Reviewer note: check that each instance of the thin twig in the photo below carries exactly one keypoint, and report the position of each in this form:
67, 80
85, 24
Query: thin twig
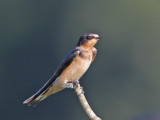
80, 93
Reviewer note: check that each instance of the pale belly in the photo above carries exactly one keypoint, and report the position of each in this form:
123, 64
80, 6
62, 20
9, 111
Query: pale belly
74, 71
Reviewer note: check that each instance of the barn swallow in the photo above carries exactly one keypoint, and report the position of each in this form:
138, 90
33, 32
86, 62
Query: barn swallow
71, 69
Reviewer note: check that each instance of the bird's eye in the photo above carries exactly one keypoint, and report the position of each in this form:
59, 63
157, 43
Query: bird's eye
88, 37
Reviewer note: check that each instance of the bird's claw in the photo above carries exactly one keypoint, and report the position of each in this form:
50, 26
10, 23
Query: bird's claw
68, 85
75, 83
71, 84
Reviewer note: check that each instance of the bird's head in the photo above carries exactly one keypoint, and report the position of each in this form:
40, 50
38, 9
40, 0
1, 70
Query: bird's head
88, 40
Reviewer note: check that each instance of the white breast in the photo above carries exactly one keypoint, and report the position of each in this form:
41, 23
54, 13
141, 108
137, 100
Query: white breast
75, 71
80, 68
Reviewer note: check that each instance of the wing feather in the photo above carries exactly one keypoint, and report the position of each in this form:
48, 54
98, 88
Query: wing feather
64, 64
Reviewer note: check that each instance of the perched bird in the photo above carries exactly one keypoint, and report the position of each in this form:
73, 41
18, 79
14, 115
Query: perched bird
71, 69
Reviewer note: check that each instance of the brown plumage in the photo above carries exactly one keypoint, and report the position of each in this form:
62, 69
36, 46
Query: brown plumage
74, 65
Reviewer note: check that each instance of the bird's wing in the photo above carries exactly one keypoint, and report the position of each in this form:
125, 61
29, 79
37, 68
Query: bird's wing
64, 64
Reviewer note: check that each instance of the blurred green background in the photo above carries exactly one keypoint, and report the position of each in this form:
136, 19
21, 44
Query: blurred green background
122, 83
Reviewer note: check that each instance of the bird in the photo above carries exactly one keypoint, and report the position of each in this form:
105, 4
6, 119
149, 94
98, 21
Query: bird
70, 70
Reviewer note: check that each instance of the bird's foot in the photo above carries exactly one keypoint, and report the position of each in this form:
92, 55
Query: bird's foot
71, 84
75, 83
68, 85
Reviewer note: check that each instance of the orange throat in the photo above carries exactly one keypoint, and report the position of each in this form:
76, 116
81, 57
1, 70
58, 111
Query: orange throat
89, 44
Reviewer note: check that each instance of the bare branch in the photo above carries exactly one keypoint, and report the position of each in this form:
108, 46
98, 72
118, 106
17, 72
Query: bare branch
80, 93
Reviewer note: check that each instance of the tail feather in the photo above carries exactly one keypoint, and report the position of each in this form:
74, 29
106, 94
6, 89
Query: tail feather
34, 100
28, 100
41, 95
40, 100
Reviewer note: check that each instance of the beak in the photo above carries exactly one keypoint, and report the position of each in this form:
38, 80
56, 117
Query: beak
99, 37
